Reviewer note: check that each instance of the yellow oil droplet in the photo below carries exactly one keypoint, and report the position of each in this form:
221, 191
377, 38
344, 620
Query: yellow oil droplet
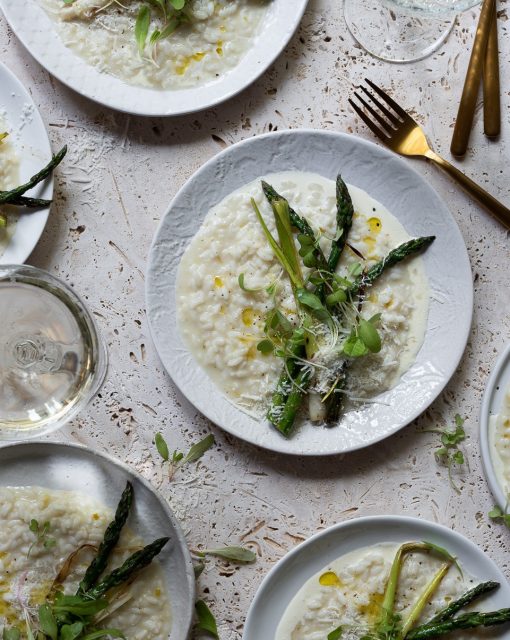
38, 593
157, 592
223, 28
218, 282
372, 610
247, 316
222, 310
330, 579
375, 225
182, 66
95, 516
251, 354
219, 47
45, 501
198, 56
370, 242
389, 303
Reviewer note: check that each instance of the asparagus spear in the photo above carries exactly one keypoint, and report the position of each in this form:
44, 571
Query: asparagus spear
465, 621
394, 257
287, 413
32, 203
344, 213
134, 563
471, 595
7, 196
297, 221
296, 349
110, 539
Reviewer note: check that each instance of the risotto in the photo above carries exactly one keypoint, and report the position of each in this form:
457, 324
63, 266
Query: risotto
349, 593
499, 439
9, 178
211, 41
222, 324
28, 567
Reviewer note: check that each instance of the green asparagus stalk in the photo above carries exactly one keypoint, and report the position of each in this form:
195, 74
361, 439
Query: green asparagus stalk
288, 411
465, 621
344, 214
31, 203
110, 539
394, 257
134, 563
7, 196
469, 597
296, 349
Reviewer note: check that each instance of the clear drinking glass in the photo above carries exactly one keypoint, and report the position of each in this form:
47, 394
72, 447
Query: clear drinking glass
402, 30
52, 358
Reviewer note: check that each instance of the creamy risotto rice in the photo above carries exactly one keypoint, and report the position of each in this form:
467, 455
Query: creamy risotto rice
349, 593
222, 324
75, 519
9, 178
215, 39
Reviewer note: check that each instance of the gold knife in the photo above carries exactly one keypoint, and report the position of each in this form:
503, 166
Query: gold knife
467, 105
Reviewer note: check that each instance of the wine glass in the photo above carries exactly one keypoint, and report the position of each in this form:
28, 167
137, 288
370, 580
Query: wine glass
402, 30
52, 358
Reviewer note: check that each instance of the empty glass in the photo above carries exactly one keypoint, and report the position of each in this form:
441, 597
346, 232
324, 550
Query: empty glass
402, 30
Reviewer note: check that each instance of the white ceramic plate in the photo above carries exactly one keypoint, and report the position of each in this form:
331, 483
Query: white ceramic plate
37, 32
387, 179
497, 385
286, 578
28, 135
75, 468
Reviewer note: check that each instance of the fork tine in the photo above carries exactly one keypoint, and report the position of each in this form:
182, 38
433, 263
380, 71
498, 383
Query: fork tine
396, 107
375, 129
384, 123
391, 116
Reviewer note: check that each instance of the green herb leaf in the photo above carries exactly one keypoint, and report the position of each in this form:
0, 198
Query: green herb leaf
178, 4
34, 526
198, 569
78, 605
336, 634
198, 449
206, 621
495, 512
335, 298
235, 554
354, 347
47, 621
11, 634
177, 456
355, 269
441, 551
310, 300
162, 446
71, 631
142, 23
370, 336
265, 347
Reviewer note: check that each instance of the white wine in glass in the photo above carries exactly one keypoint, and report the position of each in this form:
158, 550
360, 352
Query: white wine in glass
52, 359
402, 30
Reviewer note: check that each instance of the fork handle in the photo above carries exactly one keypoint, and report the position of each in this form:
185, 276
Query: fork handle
493, 206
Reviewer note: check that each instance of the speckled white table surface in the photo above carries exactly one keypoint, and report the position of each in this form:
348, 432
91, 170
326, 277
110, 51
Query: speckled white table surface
120, 174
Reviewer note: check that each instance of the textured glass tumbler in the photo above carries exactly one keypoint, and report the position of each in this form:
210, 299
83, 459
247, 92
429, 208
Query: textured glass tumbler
402, 30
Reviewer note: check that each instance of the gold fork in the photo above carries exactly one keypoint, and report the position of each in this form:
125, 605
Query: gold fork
403, 134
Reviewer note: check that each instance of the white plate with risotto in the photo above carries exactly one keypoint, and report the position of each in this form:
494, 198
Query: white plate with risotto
495, 429
224, 311
23, 152
52, 521
338, 579
154, 59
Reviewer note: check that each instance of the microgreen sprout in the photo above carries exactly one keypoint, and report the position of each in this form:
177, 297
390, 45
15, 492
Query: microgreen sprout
177, 458
498, 515
449, 453
41, 532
